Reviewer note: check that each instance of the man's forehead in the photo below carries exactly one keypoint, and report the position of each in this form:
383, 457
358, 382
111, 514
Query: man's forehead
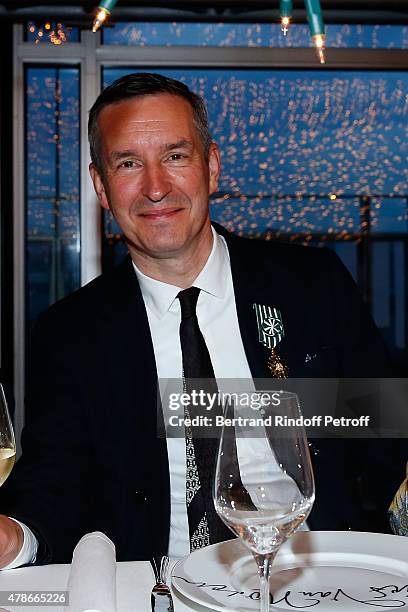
146, 125
149, 109
157, 121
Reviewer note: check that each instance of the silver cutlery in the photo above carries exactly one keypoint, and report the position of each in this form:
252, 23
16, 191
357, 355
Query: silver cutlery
161, 599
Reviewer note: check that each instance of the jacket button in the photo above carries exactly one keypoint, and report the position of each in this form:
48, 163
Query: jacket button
140, 497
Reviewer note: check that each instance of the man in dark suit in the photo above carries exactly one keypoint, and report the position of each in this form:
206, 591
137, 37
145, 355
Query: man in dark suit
91, 455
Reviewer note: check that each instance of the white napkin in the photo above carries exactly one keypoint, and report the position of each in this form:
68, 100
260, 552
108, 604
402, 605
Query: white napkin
92, 578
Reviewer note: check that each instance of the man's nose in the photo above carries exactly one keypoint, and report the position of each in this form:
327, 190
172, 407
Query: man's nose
156, 183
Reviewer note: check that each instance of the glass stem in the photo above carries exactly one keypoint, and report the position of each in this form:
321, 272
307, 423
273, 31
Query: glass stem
264, 563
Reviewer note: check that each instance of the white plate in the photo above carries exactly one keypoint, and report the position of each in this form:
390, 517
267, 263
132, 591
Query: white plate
319, 570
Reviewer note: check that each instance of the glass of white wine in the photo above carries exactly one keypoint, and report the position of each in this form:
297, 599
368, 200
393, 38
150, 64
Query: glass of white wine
7, 440
264, 486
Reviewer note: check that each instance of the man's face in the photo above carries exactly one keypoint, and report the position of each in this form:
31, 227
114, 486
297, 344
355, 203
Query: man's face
155, 177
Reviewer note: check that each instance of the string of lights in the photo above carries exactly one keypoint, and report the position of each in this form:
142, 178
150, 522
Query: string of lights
103, 11
285, 7
55, 33
315, 19
313, 11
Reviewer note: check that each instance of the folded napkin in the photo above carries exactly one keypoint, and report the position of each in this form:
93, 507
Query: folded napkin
398, 511
92, 578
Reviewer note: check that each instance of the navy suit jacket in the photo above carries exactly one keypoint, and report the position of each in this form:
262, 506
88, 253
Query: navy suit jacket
92, 459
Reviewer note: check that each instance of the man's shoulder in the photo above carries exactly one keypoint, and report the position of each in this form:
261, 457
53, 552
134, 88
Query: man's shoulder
256, 250
82, 306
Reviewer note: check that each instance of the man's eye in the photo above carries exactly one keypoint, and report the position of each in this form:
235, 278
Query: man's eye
177, 157
127, 164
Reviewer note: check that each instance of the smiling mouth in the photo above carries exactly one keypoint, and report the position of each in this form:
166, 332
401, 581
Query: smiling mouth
164, 213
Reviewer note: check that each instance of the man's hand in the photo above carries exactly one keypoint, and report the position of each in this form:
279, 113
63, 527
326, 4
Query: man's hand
11, 540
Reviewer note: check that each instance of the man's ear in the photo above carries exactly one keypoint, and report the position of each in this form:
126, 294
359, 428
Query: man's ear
99, 187
214, 166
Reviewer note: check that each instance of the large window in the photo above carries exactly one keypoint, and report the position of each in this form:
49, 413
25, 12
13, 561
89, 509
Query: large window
254, 35
52, 185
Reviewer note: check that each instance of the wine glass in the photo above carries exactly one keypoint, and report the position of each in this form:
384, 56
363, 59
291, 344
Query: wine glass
264, 487
7, 441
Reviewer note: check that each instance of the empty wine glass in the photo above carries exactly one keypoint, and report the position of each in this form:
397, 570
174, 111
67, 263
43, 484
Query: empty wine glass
7, 441
264, 487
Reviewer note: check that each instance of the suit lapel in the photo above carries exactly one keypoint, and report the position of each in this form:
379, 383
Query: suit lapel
249, 288
258, 280
128, 337
132, 369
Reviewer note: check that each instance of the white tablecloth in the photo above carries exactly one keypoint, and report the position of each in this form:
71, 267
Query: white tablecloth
134, 581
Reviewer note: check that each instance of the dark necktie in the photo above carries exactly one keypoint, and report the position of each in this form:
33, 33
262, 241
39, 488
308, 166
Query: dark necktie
204, 525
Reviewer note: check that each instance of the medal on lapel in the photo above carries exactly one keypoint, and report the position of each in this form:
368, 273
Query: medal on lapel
271, 332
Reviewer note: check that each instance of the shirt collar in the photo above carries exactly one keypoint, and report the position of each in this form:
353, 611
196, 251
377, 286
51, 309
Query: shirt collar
159, 296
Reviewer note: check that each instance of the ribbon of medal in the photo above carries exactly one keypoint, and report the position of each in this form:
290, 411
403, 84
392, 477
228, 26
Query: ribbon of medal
271, 332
